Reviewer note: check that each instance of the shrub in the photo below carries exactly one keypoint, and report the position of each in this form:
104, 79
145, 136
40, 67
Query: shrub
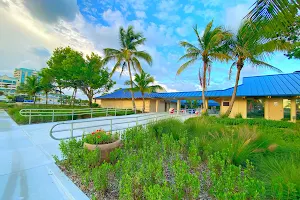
238, 116
95, 105
232, 182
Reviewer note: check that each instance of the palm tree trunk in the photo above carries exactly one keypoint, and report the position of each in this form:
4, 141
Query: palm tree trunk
237, 78
46, 98
34, 99
143, 103
131, 85
204, 88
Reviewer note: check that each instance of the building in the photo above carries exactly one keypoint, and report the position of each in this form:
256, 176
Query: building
268, 91
22, 73
8, 84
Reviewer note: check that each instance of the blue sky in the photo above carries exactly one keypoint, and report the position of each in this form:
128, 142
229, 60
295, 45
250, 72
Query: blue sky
34, 28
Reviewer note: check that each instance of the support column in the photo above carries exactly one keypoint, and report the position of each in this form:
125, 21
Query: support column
156, 105
293, 110
178, 106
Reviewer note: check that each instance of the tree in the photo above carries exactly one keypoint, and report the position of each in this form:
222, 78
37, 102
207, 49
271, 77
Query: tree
31, 87
127, 57
94, 78
278, 19
210, 48
65, 67
46, 82
250, 46
144, 84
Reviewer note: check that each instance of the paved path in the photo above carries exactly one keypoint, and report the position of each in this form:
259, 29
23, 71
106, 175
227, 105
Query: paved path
27, 169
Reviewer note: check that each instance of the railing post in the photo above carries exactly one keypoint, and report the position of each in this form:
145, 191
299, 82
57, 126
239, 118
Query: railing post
71, 130
126, 111
111, 126
115, 111
29, 116
91, 113
106, 112
53, 115
72, 114
137, 121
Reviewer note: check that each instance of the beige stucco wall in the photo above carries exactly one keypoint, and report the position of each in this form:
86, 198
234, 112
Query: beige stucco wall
125, 103
274, 108
239, 106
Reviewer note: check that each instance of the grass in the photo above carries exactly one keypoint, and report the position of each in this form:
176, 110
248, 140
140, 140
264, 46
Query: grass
204, 157
14, 109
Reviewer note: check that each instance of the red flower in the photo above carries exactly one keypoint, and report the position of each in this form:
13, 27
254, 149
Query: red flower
93, 133
98, 136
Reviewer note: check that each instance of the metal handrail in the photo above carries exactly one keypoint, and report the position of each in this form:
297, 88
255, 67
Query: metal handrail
154, 117
70, 112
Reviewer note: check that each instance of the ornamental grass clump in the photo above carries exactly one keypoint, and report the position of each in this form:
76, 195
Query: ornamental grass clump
100, 137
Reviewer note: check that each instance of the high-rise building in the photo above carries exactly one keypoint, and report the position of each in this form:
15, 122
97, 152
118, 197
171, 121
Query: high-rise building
22, 73
8, 84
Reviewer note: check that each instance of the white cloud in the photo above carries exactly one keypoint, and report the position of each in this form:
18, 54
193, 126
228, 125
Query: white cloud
207, 14
167, 17
186, 28
113, 17
140, 14
189, 8
234, 15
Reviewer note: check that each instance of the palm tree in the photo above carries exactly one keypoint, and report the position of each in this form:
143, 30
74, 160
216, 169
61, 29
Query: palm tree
210, 48
31, 87
127, 57
250, 46
270, 9
46, 82
144, 84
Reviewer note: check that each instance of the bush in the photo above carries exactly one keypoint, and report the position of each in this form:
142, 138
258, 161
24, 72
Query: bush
95, 105
220, 157
238, 116
100, 137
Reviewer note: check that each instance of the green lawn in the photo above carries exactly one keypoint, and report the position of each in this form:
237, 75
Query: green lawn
220, 158
14, 109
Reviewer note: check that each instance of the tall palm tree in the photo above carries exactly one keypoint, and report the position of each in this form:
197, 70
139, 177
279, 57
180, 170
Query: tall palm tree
210, 48
144, 84
31, 87
270, 9
46, 82
127, 57
250, 46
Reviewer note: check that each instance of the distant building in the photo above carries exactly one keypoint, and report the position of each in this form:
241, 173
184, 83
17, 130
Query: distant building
8, 84
22, 73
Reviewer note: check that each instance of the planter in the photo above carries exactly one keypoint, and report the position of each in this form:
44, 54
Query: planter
105, 149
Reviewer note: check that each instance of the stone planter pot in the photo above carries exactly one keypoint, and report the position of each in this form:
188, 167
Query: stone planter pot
105, 149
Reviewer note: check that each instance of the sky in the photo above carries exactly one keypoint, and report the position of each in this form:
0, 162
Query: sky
31, 29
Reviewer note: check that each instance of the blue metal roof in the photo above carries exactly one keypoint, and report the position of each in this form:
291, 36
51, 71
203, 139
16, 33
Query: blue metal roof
256, 86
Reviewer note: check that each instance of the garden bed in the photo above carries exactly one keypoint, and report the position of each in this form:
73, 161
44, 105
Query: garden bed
203, 158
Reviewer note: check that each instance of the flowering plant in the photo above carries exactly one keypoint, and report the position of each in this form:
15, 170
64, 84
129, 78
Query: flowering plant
100, 137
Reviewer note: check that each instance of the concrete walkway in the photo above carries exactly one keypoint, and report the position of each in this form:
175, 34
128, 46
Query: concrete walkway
27, 169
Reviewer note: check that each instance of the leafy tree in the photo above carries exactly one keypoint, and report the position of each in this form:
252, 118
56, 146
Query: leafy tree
31, 87
94, 78
65, 67
144, 84
250, 46
1, 93
46, 82
210, 48
127, 57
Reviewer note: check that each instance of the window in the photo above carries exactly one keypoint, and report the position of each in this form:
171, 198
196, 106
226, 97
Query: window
225, 103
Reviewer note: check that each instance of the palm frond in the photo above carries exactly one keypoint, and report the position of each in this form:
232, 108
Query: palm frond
258, 63
185, 65
143, 55
230, 70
